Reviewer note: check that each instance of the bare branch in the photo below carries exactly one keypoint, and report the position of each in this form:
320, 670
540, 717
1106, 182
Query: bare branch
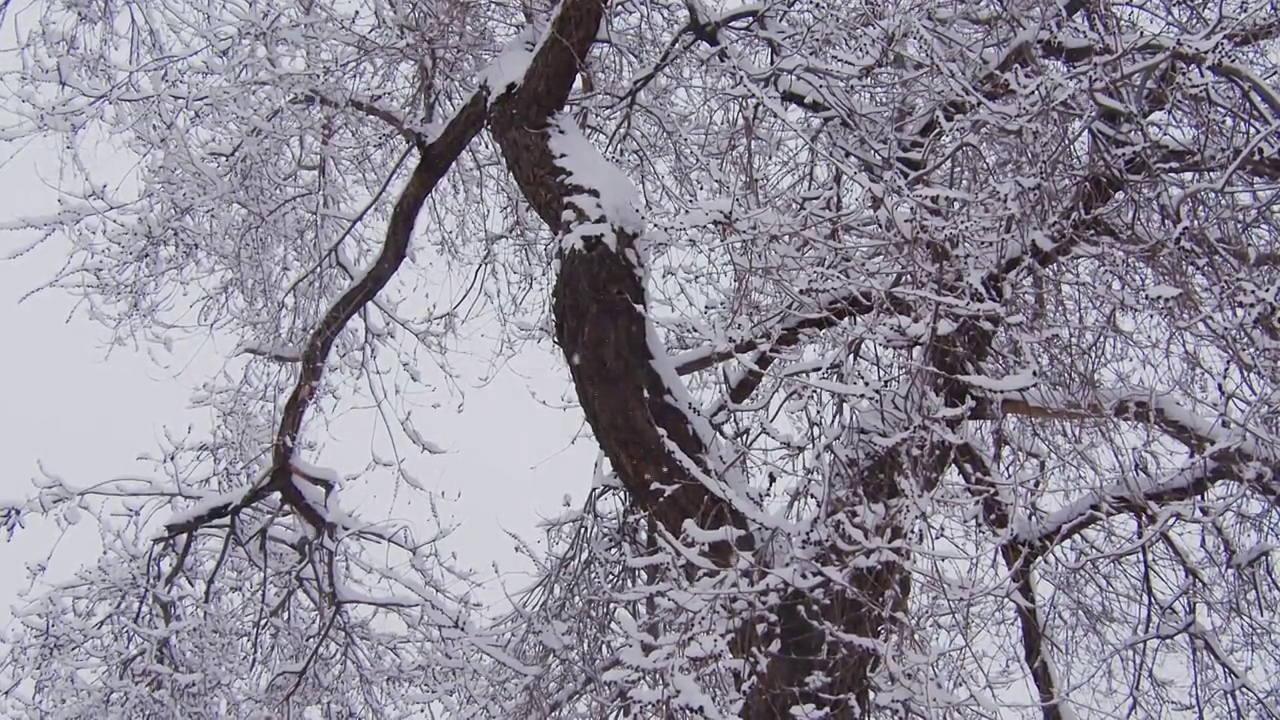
787, 333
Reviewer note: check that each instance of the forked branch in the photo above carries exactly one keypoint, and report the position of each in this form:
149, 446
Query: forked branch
434, 160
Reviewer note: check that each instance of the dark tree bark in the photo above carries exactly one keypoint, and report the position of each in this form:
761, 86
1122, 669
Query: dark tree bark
652, 443
599, 305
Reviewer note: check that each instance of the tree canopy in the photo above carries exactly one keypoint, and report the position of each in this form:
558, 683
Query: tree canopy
932, 349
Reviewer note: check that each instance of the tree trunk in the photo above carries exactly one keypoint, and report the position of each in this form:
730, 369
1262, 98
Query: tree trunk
652, 441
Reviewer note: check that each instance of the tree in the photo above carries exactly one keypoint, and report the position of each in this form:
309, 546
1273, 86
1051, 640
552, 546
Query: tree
932, 348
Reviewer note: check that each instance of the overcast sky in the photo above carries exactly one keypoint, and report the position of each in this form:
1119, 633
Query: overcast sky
87, 411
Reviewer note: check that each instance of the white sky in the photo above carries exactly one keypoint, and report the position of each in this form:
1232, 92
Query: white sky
87, 414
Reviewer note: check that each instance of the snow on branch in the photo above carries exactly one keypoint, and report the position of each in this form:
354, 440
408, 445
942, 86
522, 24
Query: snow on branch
631, 396
279, 353
55, 494
1140, 405
602, 192
1137, 497
506, 72
1221, 450
435, 159
821, 313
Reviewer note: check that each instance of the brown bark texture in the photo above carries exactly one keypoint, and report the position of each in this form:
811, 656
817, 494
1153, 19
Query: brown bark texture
599, 305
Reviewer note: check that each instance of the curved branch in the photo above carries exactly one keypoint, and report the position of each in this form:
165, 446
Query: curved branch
435, 159
632, 398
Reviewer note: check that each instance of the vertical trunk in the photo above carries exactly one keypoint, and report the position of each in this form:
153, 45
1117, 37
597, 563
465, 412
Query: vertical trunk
599, 301
650, 436
834, 632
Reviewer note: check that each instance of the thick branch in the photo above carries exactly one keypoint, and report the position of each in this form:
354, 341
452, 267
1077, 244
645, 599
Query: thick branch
1139, 405
638, 411
641, 414
1027, 607
1077, 50
1121, 499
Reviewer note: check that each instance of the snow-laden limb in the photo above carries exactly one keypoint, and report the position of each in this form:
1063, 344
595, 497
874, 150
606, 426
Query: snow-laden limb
418, 440
506, 71
1218, 450
55, 497
279, 353
435, 158
603, 193
1139, 497
212, 506
1011, 383
1205, 436
599, 301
